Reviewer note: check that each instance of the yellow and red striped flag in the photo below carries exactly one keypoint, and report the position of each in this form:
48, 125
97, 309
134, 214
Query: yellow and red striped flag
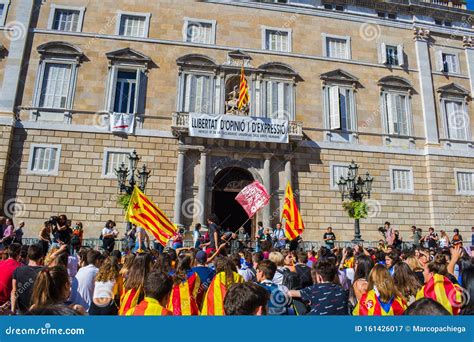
149, 307
442, 290
369, 305
294, 225
144, 213
182, 301
128, 300
244, 98
214, 301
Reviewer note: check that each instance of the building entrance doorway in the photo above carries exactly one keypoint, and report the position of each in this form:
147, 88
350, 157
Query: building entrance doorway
227, 184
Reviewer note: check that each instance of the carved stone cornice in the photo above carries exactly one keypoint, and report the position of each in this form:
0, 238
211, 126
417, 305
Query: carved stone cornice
421, 34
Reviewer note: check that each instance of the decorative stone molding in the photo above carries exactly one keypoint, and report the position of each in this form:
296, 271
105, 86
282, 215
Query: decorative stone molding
468, 42
421, 34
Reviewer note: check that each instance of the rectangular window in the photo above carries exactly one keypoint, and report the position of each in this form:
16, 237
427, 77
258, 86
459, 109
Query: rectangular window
328, 6
199, 32
401, 179
338, 171
392, 16
397, 114
337, 48
66, 20
340, 108
456, 119
55, 86
197, 93
392, 55
44, 159
278, 104
112, 161
277, 40
465, 182
2, 10
450, 63
132, 25
125, 92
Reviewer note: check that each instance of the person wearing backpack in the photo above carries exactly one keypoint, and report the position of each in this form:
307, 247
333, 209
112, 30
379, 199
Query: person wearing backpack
303, 270
283, 275
280, 302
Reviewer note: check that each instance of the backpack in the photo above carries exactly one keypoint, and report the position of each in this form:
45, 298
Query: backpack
75, 240
291, 280
304, 272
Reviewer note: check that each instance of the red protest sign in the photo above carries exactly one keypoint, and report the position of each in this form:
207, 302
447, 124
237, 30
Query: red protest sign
252, 198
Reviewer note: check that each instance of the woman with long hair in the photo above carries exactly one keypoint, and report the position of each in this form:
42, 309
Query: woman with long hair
186, 284
52, 287
382, 298
406, 282
363, 265
163, 263
133, 285
226, 276
107, 289
467, 280
415, 265
127, 264
439, 287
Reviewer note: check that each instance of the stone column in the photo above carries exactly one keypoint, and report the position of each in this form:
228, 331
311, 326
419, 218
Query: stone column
178, 197
468, 44
288, 173
202, 188
421, 37
268, 185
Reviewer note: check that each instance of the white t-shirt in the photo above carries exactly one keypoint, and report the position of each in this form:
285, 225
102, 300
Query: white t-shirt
108, 231
85, 282
104, 289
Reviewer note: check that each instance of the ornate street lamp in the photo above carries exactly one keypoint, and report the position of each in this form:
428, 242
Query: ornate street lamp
355, 188
123, 174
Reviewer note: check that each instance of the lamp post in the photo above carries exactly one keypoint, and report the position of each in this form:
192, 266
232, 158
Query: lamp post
355, 188
132, 176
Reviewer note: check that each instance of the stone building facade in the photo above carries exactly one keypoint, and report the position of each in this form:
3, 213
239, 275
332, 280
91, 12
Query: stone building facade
388, 85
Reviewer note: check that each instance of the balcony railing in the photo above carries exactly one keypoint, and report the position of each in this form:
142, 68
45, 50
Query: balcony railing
180, 125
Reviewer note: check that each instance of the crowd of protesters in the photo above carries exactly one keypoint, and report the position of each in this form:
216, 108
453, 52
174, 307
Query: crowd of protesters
59, 276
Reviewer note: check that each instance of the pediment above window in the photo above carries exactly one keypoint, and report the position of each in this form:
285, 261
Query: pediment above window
394, 83
238, 58
455, 90
60, 49
340, 76
196, 60
128, 55
278, 69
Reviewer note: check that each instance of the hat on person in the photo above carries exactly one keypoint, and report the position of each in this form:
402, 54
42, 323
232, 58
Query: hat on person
201, 257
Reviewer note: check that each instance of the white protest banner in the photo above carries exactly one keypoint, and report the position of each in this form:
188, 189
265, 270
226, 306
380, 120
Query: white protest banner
238, 128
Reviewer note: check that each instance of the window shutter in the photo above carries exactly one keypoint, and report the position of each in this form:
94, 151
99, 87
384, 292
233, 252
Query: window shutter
439, 60
400, 55
391, 112
334, 108
383, 53
187, 92
111, 89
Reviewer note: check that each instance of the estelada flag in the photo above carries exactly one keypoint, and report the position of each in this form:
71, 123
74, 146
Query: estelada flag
128, 300
144, 213
244, 90
370, 305
253, 198
442, 290
182, 301
214, 301
294, 225
149, 307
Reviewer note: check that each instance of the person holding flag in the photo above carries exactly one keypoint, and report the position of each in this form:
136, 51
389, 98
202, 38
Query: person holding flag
144, 213
294, 225
186, 284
